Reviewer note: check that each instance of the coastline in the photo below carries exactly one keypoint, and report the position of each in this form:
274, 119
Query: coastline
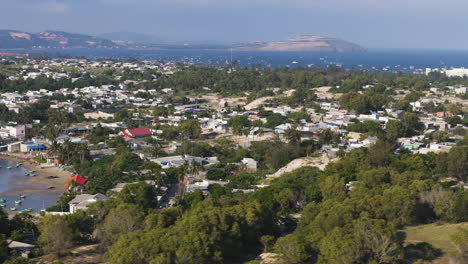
41, 178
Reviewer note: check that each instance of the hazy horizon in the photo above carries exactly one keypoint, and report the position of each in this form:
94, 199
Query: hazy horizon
420, 24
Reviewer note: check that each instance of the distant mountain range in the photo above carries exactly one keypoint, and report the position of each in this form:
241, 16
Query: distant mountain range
12, 39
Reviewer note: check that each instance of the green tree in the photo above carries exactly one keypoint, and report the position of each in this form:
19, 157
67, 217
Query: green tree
339, 247
450, 206
140, 194
190, 128
457, 162
238, 123
292, 249
333, 187
378, 240
440, 136
56, 236
121, 220
293, 135
398, 205
267, 242
3, 247
410, 123
394, 129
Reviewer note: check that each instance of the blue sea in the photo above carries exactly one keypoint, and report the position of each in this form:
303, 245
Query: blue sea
390, 60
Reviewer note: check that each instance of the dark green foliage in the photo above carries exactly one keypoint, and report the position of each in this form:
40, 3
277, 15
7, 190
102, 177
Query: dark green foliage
140, 194
103, 174
457, 162
422, 250
301, 183
238, 124
371, 127
207, 233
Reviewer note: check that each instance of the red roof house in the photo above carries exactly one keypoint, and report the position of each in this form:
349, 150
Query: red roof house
75, 184
76, 179
140, 132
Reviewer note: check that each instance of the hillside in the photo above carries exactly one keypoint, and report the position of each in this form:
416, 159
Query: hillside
436, 235
303, 43
11, 39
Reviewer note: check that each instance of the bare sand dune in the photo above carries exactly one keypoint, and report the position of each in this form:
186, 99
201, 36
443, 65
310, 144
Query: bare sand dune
319, 162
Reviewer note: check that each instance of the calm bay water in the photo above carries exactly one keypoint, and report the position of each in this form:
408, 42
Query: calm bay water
374, 59
7, 179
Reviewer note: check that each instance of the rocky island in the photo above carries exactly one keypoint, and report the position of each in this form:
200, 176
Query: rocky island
303, 43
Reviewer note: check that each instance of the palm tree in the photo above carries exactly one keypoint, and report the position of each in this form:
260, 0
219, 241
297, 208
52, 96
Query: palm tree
260, 132
83, 151
293, 135
53, 149
52, 132
66, 149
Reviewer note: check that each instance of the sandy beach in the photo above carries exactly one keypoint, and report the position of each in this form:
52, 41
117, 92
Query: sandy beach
41, 178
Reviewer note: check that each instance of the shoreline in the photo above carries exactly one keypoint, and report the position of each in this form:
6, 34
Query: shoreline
41, 178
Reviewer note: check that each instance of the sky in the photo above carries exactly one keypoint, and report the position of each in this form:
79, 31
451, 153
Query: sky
419, 24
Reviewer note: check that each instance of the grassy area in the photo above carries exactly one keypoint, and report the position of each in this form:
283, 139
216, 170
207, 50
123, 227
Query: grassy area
437, 235
38, 159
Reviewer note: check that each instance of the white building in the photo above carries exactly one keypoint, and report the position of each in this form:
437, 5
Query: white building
82, 201
250, 164
456, 72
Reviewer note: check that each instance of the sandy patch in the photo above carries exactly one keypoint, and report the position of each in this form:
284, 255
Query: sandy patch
41, 179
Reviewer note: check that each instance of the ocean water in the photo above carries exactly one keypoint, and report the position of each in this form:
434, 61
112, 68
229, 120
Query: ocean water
374, 60
7, 179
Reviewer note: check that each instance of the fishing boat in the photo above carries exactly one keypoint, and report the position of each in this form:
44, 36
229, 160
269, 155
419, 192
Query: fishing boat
31, 171
3, 200
13, 209
22, 196
28, 210
50, 187
2, 205
18, 202
9, 167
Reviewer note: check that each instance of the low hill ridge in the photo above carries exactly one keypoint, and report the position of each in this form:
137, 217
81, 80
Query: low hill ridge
303, 43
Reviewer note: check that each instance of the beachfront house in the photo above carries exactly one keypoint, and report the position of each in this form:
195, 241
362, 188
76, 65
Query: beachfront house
75, 184
82, 201
32, 147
